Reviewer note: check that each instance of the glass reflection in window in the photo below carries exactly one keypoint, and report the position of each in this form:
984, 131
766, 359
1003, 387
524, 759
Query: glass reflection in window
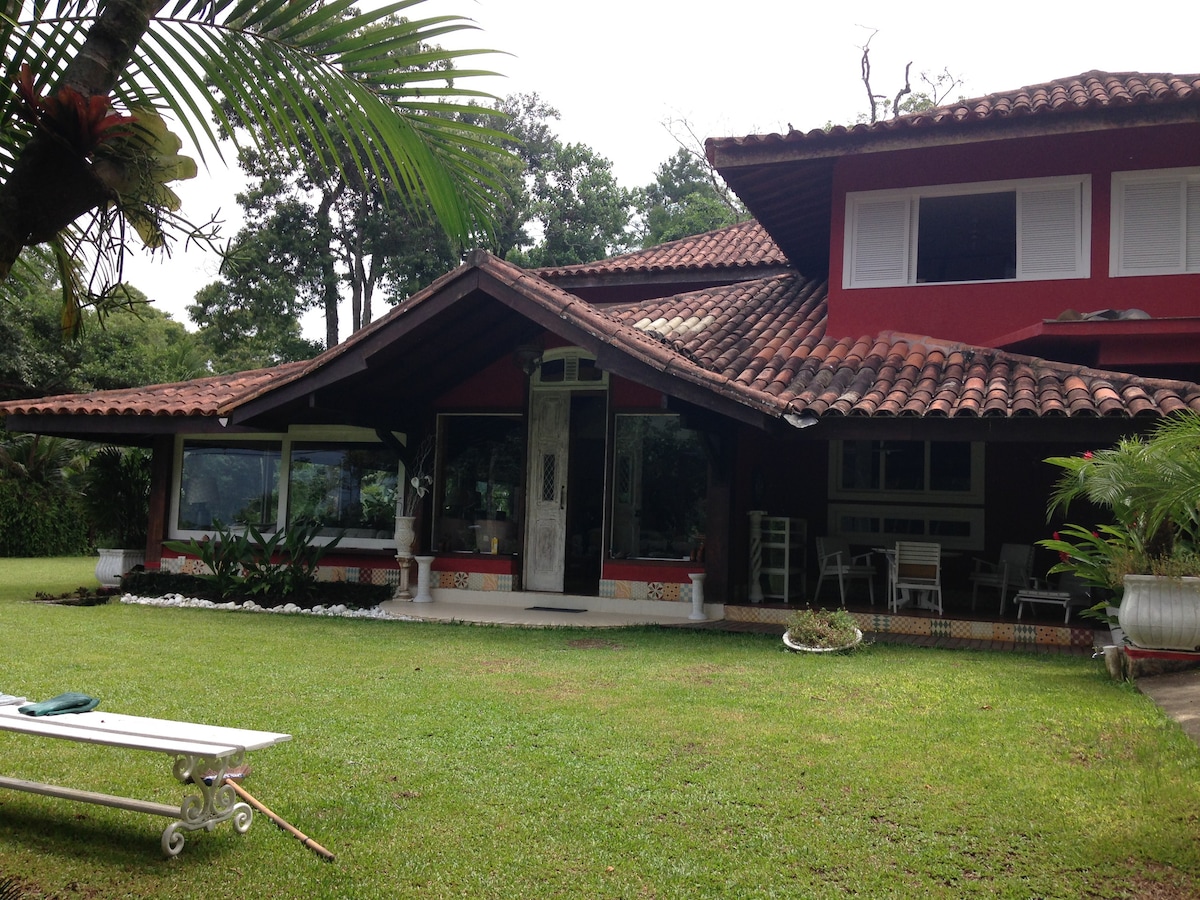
480, 486
234, 484
661, 488
348, 488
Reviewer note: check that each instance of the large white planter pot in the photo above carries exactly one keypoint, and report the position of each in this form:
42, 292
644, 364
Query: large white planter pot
1160, 613
113, 563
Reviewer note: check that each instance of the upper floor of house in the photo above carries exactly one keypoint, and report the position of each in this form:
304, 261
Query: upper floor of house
1002, 221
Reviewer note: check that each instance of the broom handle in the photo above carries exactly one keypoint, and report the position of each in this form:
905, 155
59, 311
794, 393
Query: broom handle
290, 829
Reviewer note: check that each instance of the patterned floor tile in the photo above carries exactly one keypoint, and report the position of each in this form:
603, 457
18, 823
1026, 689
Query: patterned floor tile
982, 631
1025, 634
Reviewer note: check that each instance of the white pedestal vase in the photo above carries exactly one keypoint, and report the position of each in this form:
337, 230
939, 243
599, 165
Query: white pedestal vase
424, 574
114, 563
1160, 613
405, 536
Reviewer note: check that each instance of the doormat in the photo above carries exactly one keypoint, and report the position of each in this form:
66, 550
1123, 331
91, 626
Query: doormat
554, 609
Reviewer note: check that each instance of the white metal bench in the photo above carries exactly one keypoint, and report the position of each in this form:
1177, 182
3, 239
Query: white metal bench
203, 755
1065, 599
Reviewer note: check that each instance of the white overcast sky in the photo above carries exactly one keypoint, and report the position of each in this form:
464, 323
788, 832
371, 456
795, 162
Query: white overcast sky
618, 70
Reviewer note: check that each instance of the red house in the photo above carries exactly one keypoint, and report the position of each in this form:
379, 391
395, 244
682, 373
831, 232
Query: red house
922, 310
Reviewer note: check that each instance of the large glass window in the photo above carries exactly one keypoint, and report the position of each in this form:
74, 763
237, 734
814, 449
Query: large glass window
479, 490
235, 484
346, 488
660, 488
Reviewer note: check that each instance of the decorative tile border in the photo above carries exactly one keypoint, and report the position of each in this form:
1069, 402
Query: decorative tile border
619, 589
879, 623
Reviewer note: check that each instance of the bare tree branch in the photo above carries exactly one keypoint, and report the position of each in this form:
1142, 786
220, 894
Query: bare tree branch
907, 89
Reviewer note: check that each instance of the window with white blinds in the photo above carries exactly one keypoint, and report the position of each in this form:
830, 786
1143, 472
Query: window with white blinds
994, 231
1155, 222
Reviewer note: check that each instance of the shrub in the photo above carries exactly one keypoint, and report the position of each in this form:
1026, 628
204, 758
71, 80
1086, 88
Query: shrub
326, 593
822, 628
40, 520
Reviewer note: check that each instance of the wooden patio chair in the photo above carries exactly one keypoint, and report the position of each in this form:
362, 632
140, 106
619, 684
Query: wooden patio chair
915, 566
1013, 571
837, 561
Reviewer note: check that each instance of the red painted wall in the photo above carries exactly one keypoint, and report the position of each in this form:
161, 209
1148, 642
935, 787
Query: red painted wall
500, 386
476, 562
980, 313
650, 570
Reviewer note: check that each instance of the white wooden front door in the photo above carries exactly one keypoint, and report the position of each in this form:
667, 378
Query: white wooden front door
546, 506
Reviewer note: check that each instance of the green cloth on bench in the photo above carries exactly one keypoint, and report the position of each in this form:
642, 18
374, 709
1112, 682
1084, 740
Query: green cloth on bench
70, 702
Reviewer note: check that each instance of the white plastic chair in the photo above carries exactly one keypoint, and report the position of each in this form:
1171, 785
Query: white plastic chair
836, 560
1013, 571
915, 566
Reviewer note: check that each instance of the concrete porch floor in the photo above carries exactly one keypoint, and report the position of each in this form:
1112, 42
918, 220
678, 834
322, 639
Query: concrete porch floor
553, 613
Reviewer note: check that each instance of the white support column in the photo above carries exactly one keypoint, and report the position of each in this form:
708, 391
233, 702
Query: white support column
697, 613
424, 570
756, 592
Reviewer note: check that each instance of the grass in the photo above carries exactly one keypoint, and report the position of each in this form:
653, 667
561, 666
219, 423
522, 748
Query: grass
445, 761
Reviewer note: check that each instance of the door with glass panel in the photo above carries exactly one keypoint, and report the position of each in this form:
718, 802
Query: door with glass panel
546, 506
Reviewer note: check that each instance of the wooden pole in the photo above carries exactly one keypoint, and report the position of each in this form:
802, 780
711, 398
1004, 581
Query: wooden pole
290, 829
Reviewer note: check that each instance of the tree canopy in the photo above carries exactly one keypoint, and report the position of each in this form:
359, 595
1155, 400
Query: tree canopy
684, 199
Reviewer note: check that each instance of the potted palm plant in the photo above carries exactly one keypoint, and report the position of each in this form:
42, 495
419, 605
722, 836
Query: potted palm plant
116, 493
1149, 554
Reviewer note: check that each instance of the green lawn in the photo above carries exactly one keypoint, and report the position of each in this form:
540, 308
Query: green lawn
445, 761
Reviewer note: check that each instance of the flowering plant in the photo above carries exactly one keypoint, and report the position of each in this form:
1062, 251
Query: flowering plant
1151, 487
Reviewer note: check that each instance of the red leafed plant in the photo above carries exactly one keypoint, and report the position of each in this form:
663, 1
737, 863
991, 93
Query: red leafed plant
83, 123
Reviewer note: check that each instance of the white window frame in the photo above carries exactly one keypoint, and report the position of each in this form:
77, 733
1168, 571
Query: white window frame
894, 260
1170, 209
298, 433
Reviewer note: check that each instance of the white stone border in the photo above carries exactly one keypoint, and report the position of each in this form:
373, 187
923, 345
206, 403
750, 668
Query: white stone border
339, 610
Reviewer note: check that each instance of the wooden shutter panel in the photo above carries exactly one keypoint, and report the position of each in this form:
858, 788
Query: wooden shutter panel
880, 249
1151, 226
1192, 225
1049, 242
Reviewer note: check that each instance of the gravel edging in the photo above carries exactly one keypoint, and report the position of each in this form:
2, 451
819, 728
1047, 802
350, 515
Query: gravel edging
338, 610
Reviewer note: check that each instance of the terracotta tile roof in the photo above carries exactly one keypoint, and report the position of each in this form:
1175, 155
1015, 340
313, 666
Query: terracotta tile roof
760, 343
745, 245
768, 339
1088, 92
208, 396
